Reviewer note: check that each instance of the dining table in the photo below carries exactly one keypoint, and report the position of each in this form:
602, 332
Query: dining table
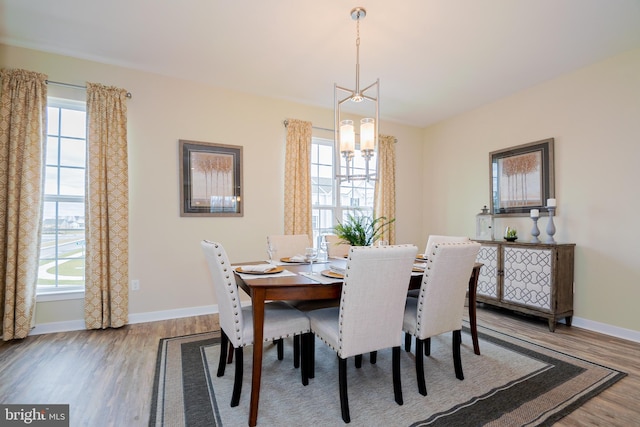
295, 283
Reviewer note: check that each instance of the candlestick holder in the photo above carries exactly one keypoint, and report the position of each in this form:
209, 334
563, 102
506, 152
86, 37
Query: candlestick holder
535, 232
551, 228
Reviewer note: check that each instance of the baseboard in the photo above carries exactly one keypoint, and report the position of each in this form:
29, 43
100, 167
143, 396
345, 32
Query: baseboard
606, 329
154, 316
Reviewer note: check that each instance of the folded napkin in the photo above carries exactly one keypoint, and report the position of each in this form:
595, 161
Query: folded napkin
420, 265
298, 258
258, 268
338, 267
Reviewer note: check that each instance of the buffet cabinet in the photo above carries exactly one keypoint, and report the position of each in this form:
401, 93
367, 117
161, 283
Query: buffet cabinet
531, 278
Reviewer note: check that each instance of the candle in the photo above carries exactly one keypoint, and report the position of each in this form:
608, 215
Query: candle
535, 213
551, 202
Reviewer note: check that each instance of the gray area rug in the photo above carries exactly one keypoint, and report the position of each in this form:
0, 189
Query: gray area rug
513, 383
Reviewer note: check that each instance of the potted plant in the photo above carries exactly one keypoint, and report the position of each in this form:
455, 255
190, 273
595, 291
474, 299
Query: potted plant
361, 230
510, 234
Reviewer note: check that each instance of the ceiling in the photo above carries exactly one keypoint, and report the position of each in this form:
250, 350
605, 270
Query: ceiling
434, 58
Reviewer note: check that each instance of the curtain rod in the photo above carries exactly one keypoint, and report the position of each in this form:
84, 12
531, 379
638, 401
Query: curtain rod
50, 82
286, 123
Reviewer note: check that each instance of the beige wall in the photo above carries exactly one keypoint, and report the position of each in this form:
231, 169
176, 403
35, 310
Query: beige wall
594, 116
165, 252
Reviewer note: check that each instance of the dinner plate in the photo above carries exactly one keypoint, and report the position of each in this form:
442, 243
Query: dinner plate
421, 257
274, 270
418, 270
288, 259
332, 274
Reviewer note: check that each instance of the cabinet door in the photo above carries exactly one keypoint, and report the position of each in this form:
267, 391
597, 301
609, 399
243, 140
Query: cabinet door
488, 279
527, 276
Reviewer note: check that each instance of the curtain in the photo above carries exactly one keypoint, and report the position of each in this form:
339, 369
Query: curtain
107, 209
23, 104
297, 179
385, 191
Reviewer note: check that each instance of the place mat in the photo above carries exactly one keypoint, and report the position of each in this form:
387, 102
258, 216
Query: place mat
322, 279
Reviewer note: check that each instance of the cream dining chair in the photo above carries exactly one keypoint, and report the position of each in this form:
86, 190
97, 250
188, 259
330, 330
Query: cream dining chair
236, 322
336, 247
369, 317
288, 245
440, 305
431, 241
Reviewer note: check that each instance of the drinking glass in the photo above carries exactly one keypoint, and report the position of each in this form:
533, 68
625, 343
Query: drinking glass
271, 251
311, 254
324, 248
383, 242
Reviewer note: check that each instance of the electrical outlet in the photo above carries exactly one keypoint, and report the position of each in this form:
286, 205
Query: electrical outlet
135, 285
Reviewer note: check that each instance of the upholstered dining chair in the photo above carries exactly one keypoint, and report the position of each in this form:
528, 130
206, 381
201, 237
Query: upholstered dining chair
369, 317
336, 247
288, 245
431, 241
236, 322
440, 305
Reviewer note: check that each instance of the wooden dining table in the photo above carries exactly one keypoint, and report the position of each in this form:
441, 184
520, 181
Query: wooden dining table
299, 287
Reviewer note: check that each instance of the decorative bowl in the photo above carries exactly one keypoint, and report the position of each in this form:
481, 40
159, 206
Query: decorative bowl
510, 239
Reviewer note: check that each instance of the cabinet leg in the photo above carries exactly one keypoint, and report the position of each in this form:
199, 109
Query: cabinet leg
567, 320
552, 325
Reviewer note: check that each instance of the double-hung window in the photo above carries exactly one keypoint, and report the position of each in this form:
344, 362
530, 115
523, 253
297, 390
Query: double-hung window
62, 252
332, 200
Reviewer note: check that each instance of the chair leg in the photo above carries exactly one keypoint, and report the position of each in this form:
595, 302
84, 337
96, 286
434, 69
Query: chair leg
296, 351
457, 361
237, 382
407, 342
373, 357
422, 386
224, 343
358, 360
311, 355
342, 380
397, 384
280, 344
303, 347
427, 347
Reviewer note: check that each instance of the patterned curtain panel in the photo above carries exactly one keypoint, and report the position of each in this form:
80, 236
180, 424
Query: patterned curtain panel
297, 179
385, 191
23, 104
107, 209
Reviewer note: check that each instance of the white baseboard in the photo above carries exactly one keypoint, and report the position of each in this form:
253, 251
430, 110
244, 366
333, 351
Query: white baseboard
154, 316
606, 329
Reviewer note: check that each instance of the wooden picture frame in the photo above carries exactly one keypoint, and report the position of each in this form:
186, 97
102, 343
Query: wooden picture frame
210, 179
521, 178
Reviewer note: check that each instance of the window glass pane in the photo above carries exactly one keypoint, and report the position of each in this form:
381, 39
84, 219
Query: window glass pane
72, 152
52, 151
53, 115
71, 181
73, 123
51, 180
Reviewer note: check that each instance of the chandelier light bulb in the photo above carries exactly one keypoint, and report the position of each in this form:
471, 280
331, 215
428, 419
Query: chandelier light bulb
367, 134
347, 137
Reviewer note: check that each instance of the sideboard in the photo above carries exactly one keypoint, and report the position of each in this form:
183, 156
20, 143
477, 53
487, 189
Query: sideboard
531, 278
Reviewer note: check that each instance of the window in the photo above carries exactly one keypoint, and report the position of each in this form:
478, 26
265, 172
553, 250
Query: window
329, 203
62, 252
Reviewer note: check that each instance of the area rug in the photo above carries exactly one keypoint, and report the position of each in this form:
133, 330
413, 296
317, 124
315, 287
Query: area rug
513, 383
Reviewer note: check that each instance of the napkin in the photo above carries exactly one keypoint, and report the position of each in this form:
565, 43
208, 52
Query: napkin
258, 268
297, 258
420, 265
338, 267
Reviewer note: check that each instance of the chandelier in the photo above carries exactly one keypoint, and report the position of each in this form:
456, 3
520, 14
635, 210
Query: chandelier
345, 132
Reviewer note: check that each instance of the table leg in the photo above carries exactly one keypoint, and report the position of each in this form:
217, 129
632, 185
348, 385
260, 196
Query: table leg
473, 287
258, 298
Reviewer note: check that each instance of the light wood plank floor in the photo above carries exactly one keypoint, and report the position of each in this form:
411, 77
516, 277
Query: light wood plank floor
107, 376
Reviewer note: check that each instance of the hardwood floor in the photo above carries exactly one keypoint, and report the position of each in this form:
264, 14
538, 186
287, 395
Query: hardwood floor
107, 376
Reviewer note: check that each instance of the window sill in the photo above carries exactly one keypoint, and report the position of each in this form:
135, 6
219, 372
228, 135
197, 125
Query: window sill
59, 296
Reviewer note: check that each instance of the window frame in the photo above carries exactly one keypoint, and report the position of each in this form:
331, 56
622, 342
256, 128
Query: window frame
55, 291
